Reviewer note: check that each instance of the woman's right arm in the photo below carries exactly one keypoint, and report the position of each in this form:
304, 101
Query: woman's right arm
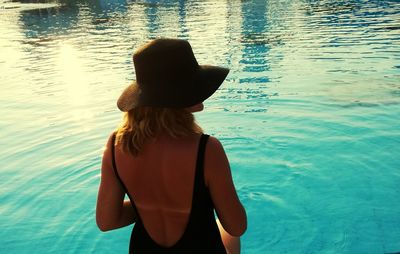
218, 176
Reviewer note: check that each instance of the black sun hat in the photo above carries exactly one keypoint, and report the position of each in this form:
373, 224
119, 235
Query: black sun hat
168, 75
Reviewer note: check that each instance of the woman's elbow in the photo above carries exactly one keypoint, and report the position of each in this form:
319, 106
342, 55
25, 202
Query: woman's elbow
240, 225
104, 227
239, 229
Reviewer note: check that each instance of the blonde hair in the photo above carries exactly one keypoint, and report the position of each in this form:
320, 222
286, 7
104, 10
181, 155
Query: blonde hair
143, 123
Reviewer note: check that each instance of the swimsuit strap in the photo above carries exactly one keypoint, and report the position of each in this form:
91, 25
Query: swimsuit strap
119, 178
199, 183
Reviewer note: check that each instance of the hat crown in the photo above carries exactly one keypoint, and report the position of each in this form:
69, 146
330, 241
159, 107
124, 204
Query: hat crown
164, 64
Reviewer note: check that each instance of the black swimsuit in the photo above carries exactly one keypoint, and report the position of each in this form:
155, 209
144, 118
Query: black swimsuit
201, 234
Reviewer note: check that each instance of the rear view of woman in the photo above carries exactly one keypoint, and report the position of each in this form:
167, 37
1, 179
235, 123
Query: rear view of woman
174, 175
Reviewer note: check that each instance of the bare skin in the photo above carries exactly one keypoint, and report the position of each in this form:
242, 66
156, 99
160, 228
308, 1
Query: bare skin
160, 180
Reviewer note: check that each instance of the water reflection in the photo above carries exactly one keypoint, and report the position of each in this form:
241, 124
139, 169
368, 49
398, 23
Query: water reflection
152, 20
165, 19
254, 54
39, 23
256, 47
183, 31
353, 13
110, 6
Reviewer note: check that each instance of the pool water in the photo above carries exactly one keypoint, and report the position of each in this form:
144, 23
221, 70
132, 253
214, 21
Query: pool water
309, 117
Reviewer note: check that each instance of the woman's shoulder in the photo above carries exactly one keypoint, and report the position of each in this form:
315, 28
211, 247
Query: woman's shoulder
111, 138
216, 158
214, 145
111, 141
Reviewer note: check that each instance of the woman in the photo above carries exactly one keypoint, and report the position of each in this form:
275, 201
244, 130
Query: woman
174, 175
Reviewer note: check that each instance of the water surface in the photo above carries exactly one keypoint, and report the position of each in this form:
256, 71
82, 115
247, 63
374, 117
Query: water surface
308, 116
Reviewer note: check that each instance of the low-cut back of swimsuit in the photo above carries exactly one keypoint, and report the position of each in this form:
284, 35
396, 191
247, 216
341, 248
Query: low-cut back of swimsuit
201, 234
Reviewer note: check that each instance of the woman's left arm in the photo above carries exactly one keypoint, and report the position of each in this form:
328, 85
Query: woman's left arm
112, 211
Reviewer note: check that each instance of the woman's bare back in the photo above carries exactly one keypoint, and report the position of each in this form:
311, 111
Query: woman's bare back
160, 180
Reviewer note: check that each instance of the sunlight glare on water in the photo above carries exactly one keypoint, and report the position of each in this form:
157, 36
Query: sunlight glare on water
75, 81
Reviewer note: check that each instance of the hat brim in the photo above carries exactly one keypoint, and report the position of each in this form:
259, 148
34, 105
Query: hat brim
206, 80
129, 98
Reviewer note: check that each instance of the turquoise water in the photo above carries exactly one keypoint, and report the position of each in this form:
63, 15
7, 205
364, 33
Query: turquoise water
309, 116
